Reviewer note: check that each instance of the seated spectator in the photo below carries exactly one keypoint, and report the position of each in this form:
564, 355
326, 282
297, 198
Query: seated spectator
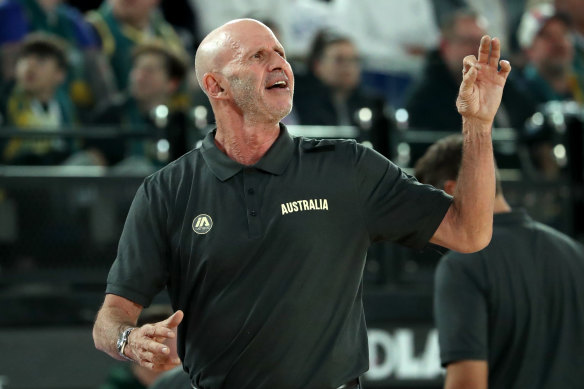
122, 24
89, 77
431, 101
574, 9
330, 94
545, 36
156, 74
35, 102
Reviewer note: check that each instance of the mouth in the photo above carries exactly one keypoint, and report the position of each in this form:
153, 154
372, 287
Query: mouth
282, 84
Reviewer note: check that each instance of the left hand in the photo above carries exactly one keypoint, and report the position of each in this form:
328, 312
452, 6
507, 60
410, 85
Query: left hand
482, 85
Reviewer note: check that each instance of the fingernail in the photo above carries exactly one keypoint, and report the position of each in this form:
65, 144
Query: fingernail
165, 350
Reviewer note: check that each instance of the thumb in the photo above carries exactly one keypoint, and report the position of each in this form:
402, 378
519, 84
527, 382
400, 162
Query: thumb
174, 320
468, 81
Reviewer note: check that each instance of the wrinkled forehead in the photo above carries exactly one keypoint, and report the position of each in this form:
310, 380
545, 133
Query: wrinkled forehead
250, 38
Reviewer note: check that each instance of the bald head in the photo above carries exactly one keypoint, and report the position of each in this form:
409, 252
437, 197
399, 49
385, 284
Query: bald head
223, 45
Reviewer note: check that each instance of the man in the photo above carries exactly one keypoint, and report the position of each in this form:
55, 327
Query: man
122, 24
545, 37
511, 315
429, 101
261, 237
35, 102
331, 93
157, 72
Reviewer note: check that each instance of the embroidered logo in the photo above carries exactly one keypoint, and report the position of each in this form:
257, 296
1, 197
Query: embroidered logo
202, 224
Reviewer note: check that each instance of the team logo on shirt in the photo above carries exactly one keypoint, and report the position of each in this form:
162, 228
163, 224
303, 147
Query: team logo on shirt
202, 224
305, 205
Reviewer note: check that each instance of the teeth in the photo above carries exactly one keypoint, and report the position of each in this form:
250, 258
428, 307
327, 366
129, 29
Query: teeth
280, 83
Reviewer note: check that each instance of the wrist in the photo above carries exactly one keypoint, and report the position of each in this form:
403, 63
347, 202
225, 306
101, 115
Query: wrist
122, 343
475, 125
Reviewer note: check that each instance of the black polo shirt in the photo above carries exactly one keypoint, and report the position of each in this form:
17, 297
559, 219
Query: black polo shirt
266, 261
518, 304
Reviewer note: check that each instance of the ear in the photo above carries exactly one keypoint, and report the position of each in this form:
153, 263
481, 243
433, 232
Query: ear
213, 84
450, 187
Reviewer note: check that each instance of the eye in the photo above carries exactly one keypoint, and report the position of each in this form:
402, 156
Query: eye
257, 55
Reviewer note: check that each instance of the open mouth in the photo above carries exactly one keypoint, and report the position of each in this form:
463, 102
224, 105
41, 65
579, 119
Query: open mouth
278, 85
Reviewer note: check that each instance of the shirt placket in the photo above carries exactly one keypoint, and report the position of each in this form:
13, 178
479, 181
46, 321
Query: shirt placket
251, 178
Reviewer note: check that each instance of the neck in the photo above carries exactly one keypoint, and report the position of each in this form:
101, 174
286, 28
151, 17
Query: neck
501, 205
340, 95
243, 141
42, 96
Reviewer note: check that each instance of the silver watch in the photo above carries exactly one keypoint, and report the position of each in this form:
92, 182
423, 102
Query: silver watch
123, 341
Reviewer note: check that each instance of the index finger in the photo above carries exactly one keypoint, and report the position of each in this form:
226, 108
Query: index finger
484, 49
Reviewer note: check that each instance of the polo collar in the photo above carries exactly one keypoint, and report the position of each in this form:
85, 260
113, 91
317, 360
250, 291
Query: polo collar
274, 161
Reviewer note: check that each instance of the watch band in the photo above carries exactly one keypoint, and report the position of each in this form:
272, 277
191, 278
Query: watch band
123, 341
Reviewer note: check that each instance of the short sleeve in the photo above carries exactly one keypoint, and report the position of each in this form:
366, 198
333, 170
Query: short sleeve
140, 270
396, 207
460, 310
13, 25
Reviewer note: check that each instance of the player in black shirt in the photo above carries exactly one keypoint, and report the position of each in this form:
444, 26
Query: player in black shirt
511, 315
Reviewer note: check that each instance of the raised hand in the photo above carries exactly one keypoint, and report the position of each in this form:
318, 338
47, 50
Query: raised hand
482, 85
154, 345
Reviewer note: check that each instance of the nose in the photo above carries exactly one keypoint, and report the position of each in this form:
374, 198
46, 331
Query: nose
277, 62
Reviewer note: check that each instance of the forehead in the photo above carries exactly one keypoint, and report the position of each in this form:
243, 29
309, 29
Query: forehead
253, 37
149, 58
340, 47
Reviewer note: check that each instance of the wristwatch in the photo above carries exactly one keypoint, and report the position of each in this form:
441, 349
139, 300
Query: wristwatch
123, 341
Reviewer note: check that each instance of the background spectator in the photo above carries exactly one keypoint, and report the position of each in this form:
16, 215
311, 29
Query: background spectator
156, 74
122, 24
89, 79
575, 9
431, 101
331, 94
546, 38
35, 101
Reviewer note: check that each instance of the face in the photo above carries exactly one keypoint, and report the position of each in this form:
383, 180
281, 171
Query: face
339, 67
38, 74
574, 8
464, 41
133, 10
149, 79
260, 79
552, 48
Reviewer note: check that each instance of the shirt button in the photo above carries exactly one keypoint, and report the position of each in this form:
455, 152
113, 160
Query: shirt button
253, 213
250, 191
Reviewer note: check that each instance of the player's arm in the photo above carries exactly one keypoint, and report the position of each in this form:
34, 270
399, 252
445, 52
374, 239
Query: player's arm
467, 226
152, 345
467, 375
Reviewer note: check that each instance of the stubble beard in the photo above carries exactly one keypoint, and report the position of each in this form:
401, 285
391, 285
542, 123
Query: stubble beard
252, 105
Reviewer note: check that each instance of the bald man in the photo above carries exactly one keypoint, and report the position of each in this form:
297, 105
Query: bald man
261, 237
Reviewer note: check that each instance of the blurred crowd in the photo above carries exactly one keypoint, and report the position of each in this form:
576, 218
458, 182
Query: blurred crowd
115, 78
